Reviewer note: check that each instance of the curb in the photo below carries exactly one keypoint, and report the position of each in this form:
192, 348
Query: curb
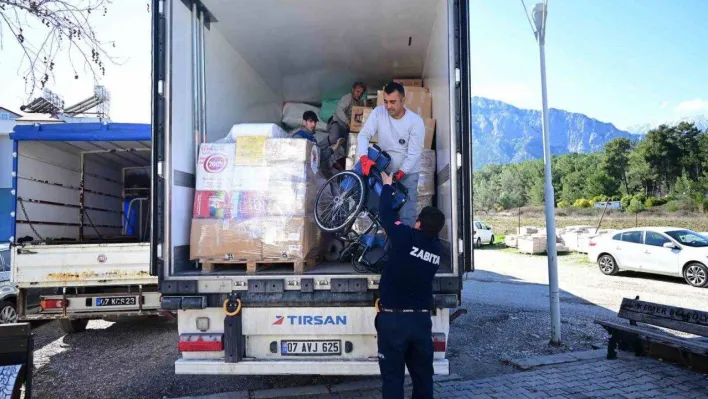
283, 393
540, 361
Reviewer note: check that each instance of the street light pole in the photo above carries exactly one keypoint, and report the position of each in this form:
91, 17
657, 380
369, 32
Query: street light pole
540, 12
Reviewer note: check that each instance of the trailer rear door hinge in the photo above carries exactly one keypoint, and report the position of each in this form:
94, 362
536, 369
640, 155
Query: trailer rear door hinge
460, 246
457, 76
159, 168
459, 160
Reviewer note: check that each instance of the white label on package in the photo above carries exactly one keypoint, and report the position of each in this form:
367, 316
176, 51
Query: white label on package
215, 167
294, 248
294, 237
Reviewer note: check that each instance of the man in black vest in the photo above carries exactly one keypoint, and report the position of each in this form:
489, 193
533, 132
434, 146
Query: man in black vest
404, 322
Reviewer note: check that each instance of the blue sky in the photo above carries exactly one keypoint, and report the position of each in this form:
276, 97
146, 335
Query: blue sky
622, 61
128, 24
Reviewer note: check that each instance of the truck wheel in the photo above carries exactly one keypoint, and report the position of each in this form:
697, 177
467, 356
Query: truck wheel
71, 326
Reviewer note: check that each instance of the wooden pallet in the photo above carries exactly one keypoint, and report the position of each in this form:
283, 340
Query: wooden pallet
255, 266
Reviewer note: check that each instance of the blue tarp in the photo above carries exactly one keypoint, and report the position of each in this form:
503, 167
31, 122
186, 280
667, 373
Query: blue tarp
83, 132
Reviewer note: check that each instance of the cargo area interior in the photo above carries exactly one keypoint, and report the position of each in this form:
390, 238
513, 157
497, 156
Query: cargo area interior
257, 61
108, 182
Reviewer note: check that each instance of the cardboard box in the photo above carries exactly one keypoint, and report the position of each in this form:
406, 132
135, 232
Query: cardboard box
409, 82
294, 238
288, 151
418, 100
429, 133
357, 121
224, 239
215, 166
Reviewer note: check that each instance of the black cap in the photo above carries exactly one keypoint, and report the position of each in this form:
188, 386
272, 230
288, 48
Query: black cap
310, 116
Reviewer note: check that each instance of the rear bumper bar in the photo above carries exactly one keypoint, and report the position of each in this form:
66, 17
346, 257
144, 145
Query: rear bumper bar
282, 367
90, 315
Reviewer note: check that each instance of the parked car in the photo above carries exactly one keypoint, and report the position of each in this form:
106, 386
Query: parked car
483, 234
660, 250
8, 292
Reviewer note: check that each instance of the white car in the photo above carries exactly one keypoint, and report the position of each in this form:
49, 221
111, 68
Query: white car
483, 234
661, 250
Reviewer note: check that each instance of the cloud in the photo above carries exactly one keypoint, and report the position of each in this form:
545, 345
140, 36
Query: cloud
519, 94
695, 105
664, 104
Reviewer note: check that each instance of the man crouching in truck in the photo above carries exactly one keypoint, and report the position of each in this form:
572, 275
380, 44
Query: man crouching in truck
403, 323
401, 134
329, 160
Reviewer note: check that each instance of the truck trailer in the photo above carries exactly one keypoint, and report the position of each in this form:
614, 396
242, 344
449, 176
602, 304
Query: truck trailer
219, 63
80, 229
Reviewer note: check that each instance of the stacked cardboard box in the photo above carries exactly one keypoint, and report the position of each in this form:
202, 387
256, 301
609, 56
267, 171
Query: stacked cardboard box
255, 200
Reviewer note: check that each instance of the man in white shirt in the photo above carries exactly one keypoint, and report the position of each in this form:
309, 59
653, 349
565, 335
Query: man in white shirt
401, 133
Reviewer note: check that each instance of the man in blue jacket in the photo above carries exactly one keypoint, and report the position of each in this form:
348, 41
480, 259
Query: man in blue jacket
404, 324
329, 158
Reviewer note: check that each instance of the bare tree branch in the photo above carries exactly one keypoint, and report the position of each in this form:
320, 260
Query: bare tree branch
65, 29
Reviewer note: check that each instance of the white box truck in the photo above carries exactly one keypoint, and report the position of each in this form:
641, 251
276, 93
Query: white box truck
80, 226
217, 63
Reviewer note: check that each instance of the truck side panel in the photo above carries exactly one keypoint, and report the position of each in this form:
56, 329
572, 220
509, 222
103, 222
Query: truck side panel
81, 265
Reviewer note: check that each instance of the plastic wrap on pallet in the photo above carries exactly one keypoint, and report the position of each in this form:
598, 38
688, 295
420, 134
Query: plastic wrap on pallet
225, 239
295, 238
423, 201
263, 205
270, 130
426, 183
427, 161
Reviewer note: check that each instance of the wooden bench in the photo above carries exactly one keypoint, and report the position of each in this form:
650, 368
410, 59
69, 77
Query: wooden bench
636, 338
16, 360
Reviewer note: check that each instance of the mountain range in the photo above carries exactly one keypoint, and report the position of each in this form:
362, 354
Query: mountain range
701, 122
502, 133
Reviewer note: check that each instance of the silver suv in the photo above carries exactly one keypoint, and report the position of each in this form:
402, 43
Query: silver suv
8, 292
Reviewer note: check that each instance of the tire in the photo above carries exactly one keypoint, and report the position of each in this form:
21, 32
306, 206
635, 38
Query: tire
478, 243
491, 240
71, 326
333, 249
8, 312
608, 265
336, 208
696, 275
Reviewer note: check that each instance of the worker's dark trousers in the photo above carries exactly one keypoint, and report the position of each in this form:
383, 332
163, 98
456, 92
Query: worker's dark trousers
405, 339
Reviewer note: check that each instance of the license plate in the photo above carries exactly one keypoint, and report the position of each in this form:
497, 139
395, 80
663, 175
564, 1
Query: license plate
117, 301
310, 348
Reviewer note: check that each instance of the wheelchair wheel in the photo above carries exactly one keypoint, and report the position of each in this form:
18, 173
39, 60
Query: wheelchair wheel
339, 201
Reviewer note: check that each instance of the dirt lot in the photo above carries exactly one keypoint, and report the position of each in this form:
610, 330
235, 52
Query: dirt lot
507, 300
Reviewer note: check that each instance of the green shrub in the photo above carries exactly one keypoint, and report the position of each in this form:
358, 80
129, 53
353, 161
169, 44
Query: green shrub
563, 204
582, 203
626, 200
636, 206
653, 201
592, 202
641, 197
600, 198
672, 206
